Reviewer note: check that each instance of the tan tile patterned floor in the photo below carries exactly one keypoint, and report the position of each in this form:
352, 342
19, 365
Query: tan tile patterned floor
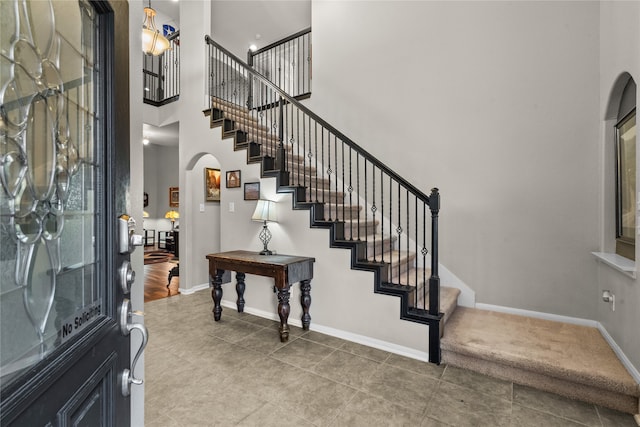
235, 372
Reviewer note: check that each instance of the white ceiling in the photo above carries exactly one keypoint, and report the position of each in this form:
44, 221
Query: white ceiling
165, 135
170, 8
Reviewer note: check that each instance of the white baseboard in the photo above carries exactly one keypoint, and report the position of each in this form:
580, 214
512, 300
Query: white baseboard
538, 315
618, 351
574, 321
360, 339
193, 289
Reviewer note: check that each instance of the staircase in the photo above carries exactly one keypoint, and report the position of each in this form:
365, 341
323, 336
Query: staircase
384, 221
372, 249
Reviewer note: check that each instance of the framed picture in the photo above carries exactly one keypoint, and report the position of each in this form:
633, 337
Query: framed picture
174, 197
212, 185
233, 179
251, 190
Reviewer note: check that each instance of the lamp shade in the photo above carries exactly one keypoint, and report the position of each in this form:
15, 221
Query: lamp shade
265, 211
145, 214
153, 43
172, 215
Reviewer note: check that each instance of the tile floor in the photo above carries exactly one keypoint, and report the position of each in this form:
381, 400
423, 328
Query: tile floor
236, 372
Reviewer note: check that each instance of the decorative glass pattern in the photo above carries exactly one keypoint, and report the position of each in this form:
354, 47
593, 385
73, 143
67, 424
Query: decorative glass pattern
48, 180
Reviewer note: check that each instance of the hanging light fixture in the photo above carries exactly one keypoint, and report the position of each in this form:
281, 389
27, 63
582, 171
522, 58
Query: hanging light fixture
153, 43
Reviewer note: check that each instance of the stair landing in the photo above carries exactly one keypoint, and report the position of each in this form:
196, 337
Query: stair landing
569, 360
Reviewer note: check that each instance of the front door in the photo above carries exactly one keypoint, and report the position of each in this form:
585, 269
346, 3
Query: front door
65, 323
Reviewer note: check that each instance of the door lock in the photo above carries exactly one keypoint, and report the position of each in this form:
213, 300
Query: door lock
126, 276
127, 240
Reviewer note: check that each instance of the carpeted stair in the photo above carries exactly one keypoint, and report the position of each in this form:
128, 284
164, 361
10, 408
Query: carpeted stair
569, 360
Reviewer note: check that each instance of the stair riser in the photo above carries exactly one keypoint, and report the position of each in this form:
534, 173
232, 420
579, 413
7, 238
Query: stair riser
572, 390
352, 229
399, 269
233, 109
378, 247
245, 121
348, 214
313, 184
326, 196
263, 138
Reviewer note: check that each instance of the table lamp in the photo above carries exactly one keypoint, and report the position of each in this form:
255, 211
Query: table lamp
172, 215
265, 211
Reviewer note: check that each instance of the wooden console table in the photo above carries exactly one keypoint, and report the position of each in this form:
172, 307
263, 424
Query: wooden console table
284, 269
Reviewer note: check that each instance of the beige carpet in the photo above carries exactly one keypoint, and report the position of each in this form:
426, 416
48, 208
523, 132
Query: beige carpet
570, 360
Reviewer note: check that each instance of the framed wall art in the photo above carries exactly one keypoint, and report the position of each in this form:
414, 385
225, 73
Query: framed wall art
233, 179
212, 184
252, 190
174, 197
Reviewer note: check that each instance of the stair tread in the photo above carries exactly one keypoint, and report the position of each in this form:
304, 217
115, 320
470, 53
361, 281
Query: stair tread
555, 349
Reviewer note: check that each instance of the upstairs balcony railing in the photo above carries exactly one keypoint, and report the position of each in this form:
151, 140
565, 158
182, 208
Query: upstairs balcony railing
287, 63
161, 74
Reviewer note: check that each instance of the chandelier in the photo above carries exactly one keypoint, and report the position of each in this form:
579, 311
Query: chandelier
153, 43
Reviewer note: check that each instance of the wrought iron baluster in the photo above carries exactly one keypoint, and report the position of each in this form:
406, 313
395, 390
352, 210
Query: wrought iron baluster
315, 153
366, 214
335, 164
408, 232
329, 173
399, 231
343, 181
357, 192
373, 210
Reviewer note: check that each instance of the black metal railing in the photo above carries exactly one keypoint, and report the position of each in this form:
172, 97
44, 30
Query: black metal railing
286, 63
161, 74
391, 224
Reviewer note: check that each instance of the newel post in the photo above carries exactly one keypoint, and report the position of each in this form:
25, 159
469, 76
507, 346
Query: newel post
434, 280
435, 328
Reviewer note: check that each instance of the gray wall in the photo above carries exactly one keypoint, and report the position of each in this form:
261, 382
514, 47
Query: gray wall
160, 173
495, 103
500, 104
619, 47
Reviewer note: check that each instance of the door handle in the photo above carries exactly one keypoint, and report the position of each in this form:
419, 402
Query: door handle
127, 377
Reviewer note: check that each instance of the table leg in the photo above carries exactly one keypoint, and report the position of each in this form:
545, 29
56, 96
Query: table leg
305, 300
216, 294
283, 312
240, 291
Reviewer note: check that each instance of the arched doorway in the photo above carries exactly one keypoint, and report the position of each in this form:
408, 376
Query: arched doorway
200, 228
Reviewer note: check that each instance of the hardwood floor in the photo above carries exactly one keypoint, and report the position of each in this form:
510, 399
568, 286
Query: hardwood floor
155, 281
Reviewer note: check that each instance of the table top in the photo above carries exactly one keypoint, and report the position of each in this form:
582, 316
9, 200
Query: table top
255, 257
285, 269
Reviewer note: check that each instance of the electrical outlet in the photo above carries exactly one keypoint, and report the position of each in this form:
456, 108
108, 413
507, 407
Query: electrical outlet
201, 207
232, 207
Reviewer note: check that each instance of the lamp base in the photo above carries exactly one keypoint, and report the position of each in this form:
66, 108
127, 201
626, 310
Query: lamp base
265, 236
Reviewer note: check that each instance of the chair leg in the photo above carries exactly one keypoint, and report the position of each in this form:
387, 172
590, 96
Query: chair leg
174, 272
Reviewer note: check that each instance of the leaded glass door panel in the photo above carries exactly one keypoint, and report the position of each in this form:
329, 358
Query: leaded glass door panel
63, 179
